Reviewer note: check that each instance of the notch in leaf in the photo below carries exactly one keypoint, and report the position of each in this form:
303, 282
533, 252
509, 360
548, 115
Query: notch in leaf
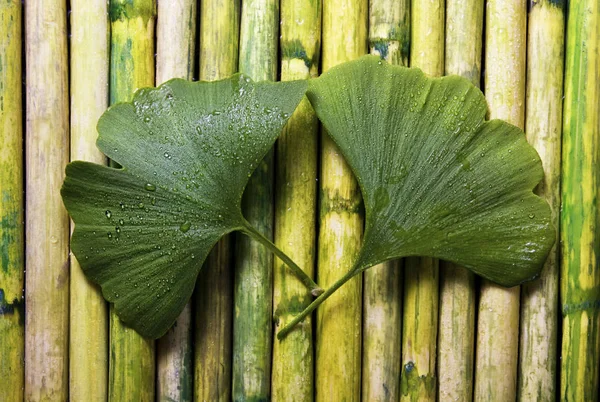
187, 150
436, 178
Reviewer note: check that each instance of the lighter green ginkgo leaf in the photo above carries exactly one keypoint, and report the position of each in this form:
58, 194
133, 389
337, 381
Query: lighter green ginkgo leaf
437, 179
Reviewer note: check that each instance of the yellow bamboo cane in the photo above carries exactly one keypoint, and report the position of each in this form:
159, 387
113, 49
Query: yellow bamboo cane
47, 223
539, 303
389, 37
498, 318
132, 360
88, 336
295, 204
456, 340
421, 283
11, 205
219, 33
580, 273
339, 321
175, 44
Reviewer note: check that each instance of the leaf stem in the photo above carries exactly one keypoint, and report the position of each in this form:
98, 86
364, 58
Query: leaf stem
317, 302
315, 289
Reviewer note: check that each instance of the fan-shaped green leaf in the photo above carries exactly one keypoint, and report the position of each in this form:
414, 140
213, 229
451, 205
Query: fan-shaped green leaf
437, 179
187, 151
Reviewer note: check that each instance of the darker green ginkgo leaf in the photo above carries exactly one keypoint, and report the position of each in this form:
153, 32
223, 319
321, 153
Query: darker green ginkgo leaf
187, 151
437, 179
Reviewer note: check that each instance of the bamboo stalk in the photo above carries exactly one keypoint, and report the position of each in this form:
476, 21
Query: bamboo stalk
12, 347
88, 336
456, 333
295, 204
421, 282
219, 32
498, 317
214, 322
47, 223
539, 299
175, 45
253, 278
339, 321
580, 274
389, 37
132, 361
464, 35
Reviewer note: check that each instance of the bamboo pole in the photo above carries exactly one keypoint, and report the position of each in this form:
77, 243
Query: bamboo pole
12, 347
580, 274
498, 317
175, 45
389, 37
456, 333
421, 282
88, 336
339, 321
295, 204
47, 223
253, 278
132, 360
219, 33
539, 299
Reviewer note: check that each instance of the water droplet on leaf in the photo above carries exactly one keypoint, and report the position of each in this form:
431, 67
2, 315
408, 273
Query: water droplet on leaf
185, 226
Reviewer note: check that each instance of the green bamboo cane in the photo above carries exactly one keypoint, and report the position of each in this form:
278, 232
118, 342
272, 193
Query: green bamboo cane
580, 274
175, 44
421, 282
539, 304
47, 223
295, 204
219, 33
132, 361
11, 205
389, 37
498, 318
88, 336
339, 321
456, 333
253, 287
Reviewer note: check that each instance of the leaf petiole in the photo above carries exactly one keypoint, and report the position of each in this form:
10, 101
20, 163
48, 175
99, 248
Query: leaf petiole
315, 289
317, 302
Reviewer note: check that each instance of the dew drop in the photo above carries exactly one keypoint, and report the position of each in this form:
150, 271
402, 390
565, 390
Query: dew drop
150, 187
108, 213
185, 226
531, 216
121, 222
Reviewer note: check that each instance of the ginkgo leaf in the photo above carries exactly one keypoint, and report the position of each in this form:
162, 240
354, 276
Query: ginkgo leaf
187, 151
437, 179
